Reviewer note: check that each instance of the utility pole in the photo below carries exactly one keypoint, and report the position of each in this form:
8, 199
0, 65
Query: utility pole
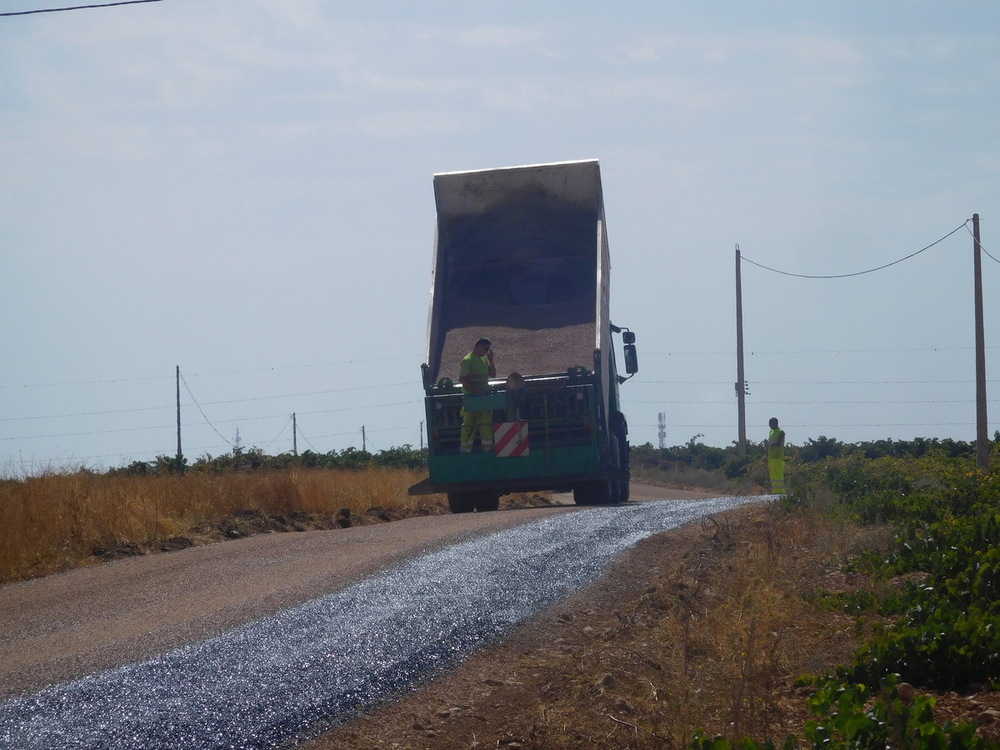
661, 431
982, 429
741, 397
295, 436
180, 455
421, 435
364, 440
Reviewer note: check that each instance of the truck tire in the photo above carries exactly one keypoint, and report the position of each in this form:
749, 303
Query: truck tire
461, 502
619, 428
623, 489
594, 493
478, 500
624, 471
487, 501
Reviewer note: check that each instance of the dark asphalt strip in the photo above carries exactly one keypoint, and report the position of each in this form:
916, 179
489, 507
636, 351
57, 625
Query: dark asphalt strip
291, 675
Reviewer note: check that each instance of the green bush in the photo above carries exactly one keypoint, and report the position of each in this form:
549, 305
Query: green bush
853, 717
850, 719
949, 637
943, 631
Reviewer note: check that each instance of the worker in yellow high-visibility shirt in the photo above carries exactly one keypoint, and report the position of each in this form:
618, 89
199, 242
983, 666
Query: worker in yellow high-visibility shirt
776, 457
474, 374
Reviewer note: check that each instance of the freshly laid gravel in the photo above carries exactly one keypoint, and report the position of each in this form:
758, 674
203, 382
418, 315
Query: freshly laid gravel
295, 673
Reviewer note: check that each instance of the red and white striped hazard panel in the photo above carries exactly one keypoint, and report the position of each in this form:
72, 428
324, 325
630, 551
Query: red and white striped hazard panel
510, 439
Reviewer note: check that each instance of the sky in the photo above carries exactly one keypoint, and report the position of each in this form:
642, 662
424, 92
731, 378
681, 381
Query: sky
242, 191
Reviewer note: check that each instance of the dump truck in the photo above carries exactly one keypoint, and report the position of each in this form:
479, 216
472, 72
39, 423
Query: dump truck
521, 258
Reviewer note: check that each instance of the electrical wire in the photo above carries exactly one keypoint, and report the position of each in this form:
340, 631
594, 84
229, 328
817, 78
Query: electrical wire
811, 382
973, 235
785, 402
75, 7
207, 374
856, 273
313, 447
814, 426
771, 353
207, 420
273, 440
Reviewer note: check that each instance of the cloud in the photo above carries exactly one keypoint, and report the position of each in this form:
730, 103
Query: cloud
493, 37
412, 123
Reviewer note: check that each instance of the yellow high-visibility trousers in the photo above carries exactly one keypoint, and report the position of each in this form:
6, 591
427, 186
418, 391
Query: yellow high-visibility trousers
473, 423
776, 470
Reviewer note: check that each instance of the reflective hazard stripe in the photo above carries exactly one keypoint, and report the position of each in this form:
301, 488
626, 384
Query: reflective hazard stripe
510, 439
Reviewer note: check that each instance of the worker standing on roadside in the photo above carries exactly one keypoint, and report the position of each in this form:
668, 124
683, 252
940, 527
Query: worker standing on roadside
474, 374
776, 457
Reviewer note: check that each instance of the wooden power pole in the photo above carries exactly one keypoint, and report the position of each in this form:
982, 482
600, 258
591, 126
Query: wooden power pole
741, 398
180, 455
982, 428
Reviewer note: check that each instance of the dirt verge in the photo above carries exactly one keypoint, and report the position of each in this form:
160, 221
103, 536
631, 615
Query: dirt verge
677, 636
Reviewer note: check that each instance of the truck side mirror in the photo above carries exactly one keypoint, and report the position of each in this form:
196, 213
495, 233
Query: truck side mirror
631, 358
628, 337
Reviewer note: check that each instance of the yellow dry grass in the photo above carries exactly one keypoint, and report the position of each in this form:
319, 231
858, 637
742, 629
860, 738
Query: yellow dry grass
56, 522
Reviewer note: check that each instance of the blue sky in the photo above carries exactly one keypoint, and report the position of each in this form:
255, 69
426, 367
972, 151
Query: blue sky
243, 190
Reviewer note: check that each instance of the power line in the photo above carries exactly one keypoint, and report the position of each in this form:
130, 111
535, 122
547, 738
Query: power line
75, 7
86, 414
209, 373
282, 432
785, 402
306, 439
971, 234
207, 420
207, 403
234, 420
87, 382
814, 425
811, 382
91, 432
856, 273
769, 353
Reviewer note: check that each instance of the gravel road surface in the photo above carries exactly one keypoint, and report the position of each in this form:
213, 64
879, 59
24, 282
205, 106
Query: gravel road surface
255, 643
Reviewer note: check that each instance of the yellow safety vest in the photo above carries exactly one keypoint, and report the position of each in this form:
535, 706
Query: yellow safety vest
775, 452
477, 370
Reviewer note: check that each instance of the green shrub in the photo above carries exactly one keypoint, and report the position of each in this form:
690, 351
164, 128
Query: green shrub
853, 717
850, 719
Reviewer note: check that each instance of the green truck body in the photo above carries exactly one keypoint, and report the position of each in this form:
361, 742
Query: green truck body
521, 257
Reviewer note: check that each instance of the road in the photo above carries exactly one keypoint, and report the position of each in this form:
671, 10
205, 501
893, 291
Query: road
251, 643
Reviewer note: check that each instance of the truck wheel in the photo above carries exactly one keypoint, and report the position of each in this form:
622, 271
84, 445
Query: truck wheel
583, 494
614, 491
461, 502
487, 501
619, 428
625, 474
593, 493
623, 489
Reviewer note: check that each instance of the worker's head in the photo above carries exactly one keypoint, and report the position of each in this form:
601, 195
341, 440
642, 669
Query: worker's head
773, 423
482, 346
514, 381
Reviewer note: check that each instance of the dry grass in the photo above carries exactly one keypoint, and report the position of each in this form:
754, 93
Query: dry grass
706, 627
687, 477
715, 643
56, 522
